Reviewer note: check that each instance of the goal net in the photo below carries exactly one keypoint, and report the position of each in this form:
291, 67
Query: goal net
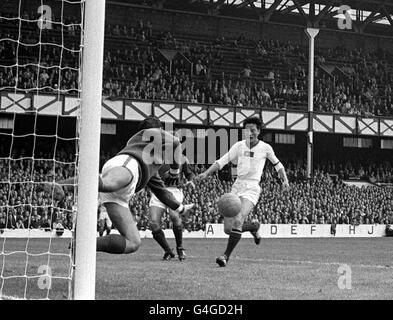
42, 46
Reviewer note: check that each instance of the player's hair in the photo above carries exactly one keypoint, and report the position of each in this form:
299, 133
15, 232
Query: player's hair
149, 122
253, 120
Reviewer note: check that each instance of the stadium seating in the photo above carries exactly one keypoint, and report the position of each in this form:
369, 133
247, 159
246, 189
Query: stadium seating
230, 71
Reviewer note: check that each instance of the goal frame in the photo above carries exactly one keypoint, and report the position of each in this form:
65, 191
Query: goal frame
89, 146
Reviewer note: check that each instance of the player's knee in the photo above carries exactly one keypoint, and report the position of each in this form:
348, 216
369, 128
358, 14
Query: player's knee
154, 225
237, 224
132, 245
228, 229
176, 222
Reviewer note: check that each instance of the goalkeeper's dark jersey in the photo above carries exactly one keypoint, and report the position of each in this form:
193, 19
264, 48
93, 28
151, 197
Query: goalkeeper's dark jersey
185, 171
151, 148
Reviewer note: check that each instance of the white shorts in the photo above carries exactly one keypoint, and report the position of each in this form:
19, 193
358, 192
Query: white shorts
177, 193
124, 195
249, 190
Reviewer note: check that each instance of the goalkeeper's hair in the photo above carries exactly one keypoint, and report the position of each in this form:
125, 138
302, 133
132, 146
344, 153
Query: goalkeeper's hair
253, 120
149, 122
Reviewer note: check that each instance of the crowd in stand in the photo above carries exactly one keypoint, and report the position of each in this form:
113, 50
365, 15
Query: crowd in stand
21, 205
239, 72
362, 89
323, 199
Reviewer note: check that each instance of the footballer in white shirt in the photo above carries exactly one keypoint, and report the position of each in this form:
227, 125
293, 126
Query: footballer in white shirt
250, 155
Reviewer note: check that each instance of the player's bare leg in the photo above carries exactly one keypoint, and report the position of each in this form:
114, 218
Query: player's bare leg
158, 235
253, 228
233, 227
101, 227
108, 226
128, 240
177, 227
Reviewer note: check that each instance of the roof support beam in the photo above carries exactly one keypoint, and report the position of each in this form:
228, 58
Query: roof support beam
298, 5
268, 13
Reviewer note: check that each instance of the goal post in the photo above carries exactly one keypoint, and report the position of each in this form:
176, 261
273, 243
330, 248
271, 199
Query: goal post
90, 127
51, 66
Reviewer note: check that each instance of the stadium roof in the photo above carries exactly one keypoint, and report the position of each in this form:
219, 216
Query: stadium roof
368, 16
371, 11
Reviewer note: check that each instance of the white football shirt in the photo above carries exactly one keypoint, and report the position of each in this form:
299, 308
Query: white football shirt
250, 162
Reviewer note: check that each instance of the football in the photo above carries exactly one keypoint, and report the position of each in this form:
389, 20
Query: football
229, 205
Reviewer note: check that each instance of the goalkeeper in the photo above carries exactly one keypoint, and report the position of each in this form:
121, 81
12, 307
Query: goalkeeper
133, 168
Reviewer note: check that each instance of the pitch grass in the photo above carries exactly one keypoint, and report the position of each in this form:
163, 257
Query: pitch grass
276, 269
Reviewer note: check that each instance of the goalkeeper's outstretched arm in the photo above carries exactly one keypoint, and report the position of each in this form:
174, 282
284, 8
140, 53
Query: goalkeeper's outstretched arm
68, 184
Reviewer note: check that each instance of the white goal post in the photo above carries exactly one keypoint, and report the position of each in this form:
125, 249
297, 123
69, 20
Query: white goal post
90, 126
56, 48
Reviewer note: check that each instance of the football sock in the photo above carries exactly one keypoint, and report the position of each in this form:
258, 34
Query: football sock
233, 240
113, 243
249, 226
178, 232
159, 236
